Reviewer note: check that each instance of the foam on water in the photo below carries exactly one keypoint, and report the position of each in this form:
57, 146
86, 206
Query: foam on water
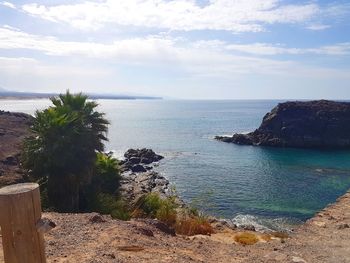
266, 224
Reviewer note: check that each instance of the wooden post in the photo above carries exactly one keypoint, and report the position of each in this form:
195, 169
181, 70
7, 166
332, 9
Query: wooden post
20, 210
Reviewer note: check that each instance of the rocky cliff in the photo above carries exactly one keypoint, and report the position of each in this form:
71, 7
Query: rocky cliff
14, 127
309, 124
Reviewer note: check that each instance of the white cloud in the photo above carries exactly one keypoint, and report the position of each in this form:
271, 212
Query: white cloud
318, 27
8, 4
16, 66
185, 15
263, 49
154, 47
216, 60
338, 49
130, 49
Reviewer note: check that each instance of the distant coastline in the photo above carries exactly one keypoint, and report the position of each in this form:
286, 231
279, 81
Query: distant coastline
9, 95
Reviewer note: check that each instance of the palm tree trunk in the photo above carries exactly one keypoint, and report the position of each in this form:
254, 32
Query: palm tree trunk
63, 193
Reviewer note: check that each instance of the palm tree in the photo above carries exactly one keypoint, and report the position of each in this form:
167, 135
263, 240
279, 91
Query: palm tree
63, 151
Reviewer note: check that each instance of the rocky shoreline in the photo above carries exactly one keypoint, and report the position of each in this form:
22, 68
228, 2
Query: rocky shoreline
139, 177
301, 124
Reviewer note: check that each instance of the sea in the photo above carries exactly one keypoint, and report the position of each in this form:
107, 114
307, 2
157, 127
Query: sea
271, 188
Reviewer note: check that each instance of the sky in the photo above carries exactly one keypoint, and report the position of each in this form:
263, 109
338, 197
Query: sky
190, 49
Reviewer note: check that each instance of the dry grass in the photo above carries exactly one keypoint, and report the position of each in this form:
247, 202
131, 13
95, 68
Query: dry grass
167, 215
184, 221
281, 235
138, 213
246, 238
193, 226
265, 237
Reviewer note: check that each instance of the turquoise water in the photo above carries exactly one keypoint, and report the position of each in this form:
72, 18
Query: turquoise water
246, 183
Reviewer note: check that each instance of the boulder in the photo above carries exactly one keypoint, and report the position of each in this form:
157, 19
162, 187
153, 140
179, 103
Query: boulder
146, 161
135, 160
11, 160
138, 168
145, 156
302, 124
247, 227
97, 218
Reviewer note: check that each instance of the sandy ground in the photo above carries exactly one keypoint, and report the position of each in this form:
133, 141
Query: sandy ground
324, 238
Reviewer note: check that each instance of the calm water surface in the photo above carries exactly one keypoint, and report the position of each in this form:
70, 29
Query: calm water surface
265, 186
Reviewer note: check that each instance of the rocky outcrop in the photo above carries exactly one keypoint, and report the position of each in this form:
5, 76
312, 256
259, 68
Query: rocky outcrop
311, 124
14, 127
138, 160
134, 185
138, 176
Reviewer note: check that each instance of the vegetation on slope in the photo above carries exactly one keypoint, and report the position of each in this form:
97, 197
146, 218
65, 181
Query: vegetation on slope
63, 150
65, 155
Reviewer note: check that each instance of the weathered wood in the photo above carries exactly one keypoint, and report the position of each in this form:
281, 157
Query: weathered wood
20, 210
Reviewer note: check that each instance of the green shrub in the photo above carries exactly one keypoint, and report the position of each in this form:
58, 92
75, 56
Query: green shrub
105, 203
106, 178
153, 206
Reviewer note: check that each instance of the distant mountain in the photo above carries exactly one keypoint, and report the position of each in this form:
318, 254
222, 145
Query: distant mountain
27, 95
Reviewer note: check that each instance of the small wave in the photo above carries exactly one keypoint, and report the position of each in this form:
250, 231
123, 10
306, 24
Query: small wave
117, 154
171, 155
265, 224
221, 135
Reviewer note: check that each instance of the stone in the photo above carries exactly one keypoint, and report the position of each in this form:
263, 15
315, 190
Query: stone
248, 227
11, 160
276, 256
145, 231
298, 260
161, 226
146, 161
134, 160
97, 218
137, 168
343, 226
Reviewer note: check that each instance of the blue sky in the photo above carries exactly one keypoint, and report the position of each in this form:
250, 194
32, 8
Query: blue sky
194, 49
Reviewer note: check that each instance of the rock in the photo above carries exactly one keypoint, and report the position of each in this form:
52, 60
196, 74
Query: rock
312, 124
247, 227
14, 127
298, 260
146, 161
122, 162
138, 168
343, 226
221, 224
276, 256
97, 218
110, 255
147, 156
145, 231
11, 160
134, 160
161, 226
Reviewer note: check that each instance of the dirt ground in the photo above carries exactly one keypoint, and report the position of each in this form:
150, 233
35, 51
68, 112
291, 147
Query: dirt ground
324, 238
